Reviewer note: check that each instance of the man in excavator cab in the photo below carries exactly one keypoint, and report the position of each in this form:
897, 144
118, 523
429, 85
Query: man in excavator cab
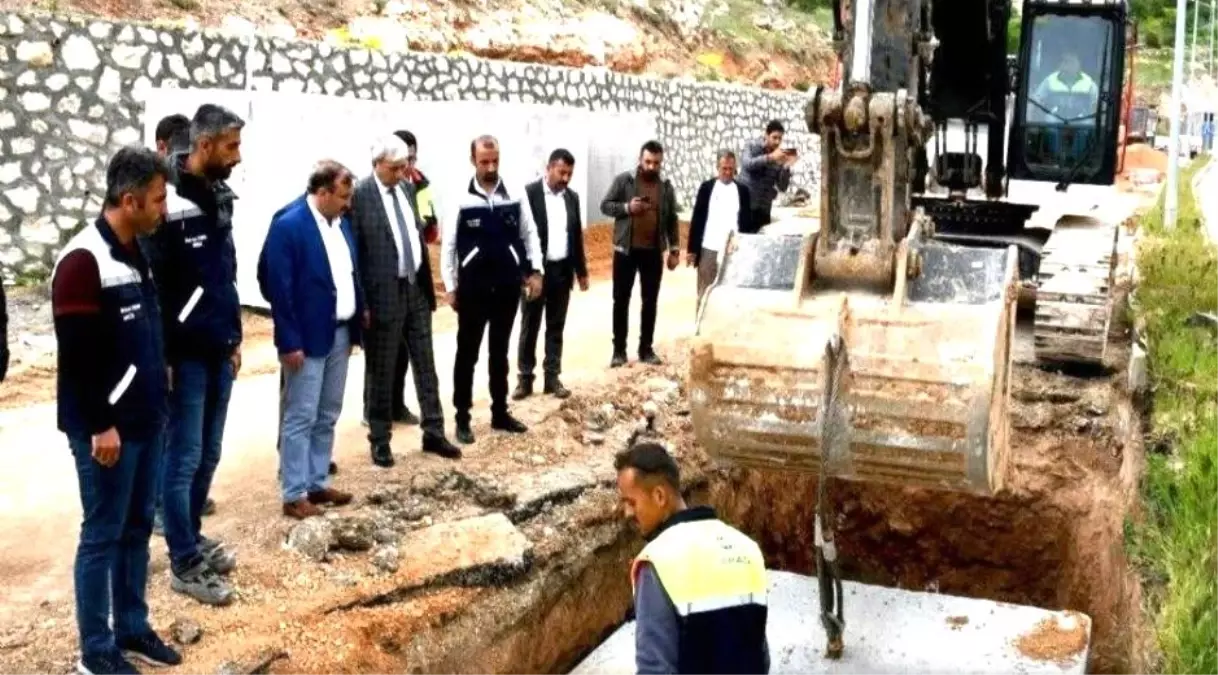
1067, 97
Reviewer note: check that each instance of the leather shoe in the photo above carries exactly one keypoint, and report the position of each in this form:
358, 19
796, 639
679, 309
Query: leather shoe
382, 456
506, 422
523, 391
438, 445
404, 416
330, 496
301, 509
465, 435
619, 360
554, 388
650, 358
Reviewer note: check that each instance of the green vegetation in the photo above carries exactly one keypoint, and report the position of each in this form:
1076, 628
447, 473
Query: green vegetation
1174, 545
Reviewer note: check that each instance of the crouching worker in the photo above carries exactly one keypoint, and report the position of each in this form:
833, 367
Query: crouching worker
699, 584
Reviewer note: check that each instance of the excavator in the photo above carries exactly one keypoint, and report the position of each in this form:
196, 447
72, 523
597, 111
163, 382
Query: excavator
879, 346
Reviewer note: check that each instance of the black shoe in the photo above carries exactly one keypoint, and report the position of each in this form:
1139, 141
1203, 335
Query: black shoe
649, 357
382, 456
110, 664
333, 468
506, 422
404, 416
150, 650
523, 390
465, 435
619, 360
554, 388
438, 445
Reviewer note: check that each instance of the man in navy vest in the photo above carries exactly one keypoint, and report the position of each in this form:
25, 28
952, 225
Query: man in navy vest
311, 283
195, 262
489, 251
111, 397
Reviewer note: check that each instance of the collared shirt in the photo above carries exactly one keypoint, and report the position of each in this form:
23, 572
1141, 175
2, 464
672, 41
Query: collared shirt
339, 255
556, 216
722, 215
411, 226
479, 197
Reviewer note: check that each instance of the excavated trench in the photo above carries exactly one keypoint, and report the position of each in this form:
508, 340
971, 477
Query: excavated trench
1052, 539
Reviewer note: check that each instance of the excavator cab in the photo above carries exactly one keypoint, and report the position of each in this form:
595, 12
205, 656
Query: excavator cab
1067, 108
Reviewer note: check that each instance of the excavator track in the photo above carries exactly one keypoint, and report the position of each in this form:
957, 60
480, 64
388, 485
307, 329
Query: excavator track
1074, 292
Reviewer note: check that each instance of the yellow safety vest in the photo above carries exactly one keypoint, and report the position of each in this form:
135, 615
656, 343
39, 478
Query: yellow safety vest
1083, 85
705, 565
427, 210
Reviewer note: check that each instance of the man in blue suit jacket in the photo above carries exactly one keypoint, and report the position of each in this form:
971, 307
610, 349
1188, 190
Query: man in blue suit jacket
307, 274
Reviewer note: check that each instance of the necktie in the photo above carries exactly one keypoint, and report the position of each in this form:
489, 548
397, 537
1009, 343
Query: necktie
407, 254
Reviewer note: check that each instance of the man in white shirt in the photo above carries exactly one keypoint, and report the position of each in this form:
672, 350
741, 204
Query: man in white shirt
489, 253
556, 210
721, 207
396, 276
310, 248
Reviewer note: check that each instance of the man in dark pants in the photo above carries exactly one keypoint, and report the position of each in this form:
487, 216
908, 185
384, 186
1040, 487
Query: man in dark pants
721, 207
194, 262
766, 171
644, 208
4, 353
551, 202
395, 274
490, 249
111, 397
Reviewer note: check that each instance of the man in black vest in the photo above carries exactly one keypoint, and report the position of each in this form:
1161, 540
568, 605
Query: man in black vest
562, 246
112, 397
489, 253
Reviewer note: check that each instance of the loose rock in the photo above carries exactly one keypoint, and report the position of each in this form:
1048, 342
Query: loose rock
354, 533
312, 537
386, 559
185, 630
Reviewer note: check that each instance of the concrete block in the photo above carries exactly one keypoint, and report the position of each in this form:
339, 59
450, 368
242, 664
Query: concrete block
888, 630
557, 486
1139, 371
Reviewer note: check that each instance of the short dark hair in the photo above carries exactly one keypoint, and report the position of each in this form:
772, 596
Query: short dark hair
724, 154
562, 155
172, 125
774, 125
407, 138
212, 120
485, 141
327, 175
650, 460
130, 171
653, 147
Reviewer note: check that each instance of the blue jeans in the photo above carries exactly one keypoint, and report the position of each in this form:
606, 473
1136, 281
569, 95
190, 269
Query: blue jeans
112, 557
312, 401
198, 407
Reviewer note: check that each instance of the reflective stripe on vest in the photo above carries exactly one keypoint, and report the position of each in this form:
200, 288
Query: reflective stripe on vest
705, 566
1083, 85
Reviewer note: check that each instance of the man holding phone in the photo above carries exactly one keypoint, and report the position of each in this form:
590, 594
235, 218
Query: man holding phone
644, 208
767, 171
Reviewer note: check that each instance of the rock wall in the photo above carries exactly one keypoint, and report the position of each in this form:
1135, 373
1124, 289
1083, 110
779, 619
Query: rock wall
72, 91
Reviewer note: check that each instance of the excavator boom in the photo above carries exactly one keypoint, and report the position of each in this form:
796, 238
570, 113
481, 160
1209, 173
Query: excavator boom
927, 326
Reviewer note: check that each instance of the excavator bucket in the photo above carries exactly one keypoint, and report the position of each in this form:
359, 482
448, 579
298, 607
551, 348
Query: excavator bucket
925, 402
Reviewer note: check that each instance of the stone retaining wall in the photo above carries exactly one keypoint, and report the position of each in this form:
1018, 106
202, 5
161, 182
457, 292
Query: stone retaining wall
72, 91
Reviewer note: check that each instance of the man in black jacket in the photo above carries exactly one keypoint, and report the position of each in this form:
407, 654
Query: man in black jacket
722, 206
644, 208
556, 211
194, 263
4, 353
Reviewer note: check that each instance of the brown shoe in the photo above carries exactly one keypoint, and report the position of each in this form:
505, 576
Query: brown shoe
330, 496
301, 509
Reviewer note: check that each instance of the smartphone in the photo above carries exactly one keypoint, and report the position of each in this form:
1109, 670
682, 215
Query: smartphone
645, 199
791, 151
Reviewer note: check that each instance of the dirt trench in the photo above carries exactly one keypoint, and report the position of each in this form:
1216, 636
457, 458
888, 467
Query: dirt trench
1053, 539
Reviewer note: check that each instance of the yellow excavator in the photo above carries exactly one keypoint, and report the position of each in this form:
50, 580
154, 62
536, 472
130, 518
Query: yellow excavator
879, 346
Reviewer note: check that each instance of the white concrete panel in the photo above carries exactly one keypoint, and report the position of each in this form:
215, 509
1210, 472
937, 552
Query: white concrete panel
888, 630
614, 142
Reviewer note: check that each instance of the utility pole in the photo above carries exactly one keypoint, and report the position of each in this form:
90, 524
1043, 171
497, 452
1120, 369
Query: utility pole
1211, 68
1192, 65
1172, 198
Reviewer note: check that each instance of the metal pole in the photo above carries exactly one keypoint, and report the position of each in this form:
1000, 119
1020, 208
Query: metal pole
1211, 69
1172, 198
1192, 64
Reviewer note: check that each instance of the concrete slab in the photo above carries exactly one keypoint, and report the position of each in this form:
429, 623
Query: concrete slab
559, 485
887, 631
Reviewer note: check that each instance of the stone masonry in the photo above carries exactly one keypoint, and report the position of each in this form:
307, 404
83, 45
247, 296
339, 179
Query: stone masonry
72, 91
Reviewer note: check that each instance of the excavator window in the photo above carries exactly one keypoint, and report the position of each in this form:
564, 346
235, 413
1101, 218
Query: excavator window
1065, 126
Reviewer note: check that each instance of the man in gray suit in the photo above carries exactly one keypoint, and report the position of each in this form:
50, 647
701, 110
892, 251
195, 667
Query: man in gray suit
396, 276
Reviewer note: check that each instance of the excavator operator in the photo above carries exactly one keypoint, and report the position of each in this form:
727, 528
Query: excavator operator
1068, 92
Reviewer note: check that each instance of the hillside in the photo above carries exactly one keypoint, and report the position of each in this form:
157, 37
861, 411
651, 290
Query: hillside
765, 43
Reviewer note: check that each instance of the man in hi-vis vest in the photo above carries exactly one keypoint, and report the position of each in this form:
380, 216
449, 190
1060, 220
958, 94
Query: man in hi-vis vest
1056, 89
699, 584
